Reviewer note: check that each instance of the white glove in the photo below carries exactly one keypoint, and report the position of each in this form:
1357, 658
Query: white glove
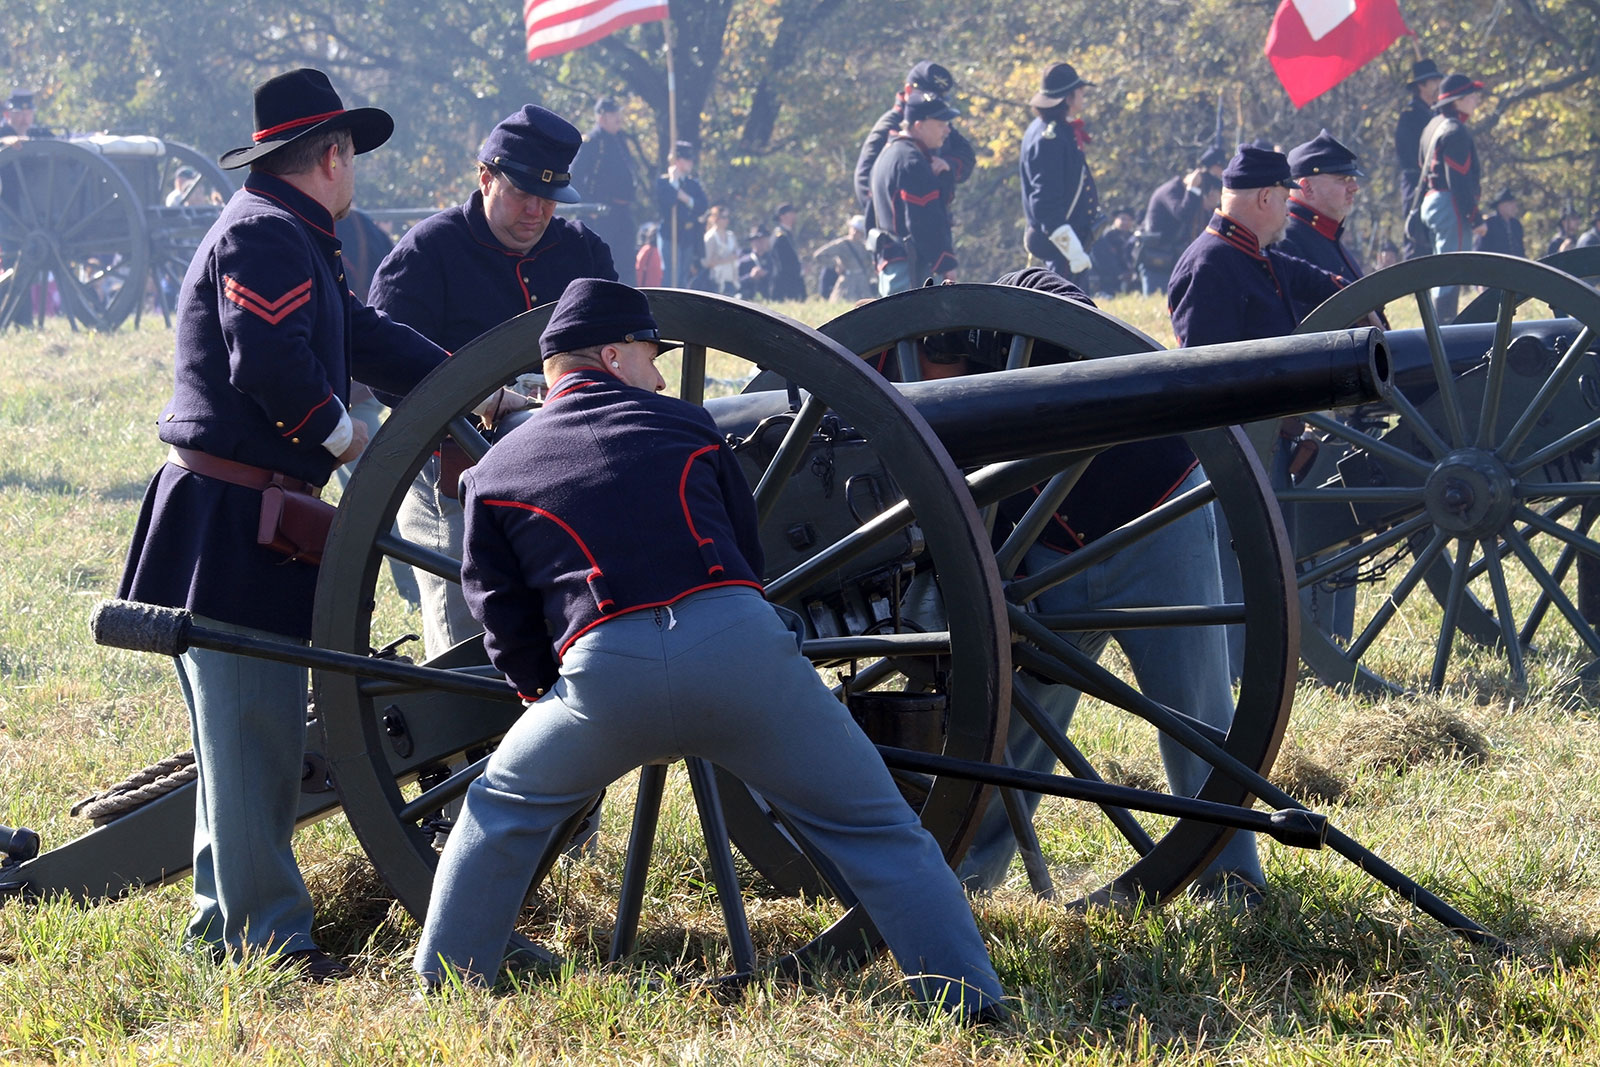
1066, 239
531, 385
499, 403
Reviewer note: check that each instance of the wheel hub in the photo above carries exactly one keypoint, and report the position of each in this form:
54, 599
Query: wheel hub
1470, 494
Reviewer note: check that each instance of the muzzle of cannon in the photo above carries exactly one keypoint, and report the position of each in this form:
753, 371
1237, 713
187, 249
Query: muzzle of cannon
870, 495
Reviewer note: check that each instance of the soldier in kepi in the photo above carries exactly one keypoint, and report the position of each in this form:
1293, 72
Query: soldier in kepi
18, 120
952, 162
268, 337
1234, 284
1059, 199
682, 200
1327, 179
913, 236
467, 269
614, 561
1414, 118
603, 172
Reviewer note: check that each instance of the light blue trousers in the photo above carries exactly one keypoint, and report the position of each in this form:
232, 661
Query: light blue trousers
718, 676
433, 519
1451, 233
248, 720
894, 278
1185, 668
369, 411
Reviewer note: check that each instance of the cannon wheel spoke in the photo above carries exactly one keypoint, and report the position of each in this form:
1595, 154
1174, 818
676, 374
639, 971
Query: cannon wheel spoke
359, 719
76, 221
176, 231
1501, 384
1159, 857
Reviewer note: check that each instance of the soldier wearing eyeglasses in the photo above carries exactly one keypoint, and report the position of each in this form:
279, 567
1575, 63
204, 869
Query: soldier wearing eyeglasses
1327, 179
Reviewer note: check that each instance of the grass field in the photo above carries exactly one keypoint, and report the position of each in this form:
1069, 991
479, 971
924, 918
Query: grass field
1484, 794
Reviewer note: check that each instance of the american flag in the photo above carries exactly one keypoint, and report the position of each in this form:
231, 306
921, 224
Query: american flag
557, 26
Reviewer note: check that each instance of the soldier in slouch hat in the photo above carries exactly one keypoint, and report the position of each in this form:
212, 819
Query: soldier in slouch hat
268, 338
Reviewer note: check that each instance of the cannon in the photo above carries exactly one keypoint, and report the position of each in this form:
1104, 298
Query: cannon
862, 492
1464, 503
85, 221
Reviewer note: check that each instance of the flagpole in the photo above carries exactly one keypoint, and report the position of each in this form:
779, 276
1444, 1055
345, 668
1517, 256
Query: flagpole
672, 141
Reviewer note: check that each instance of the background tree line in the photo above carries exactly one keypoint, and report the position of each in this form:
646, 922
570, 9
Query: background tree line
779, 93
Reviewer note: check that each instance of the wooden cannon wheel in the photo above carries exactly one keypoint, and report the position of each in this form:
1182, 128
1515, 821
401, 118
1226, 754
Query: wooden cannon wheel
1486, 475
366, 721
68, 216
176, 231
1159, 858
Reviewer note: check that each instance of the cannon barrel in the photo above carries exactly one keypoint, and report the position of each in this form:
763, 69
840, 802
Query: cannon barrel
1533, 347
988, 418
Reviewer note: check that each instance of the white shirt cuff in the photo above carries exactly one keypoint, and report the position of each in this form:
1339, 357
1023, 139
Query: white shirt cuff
339, 440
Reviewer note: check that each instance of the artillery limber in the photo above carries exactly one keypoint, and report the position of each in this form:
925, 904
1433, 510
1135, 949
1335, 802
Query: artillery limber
85, 221
862, 493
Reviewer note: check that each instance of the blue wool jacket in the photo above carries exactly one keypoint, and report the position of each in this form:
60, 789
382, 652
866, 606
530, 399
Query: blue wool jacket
956, 151
909, 202
1224, 288
268, 339
451, 280
1057, 185
610, 500
1318, 240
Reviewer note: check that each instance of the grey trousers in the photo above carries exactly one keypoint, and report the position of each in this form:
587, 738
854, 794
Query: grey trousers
717, 676
248, 718
1182, 667
370, 412
433, 520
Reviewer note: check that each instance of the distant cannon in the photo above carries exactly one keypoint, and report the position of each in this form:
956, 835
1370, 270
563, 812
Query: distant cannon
86, 229
863, 495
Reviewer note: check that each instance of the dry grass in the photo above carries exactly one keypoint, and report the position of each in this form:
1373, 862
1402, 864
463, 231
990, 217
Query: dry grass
1485, 795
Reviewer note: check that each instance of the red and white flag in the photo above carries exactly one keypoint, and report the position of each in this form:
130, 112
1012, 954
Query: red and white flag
1316, 44
557, 26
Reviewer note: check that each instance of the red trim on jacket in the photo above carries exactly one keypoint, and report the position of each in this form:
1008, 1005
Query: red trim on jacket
594, 565
920, 201
290, 209
683, 499
1327, 227
310, 413
1238, 235
272, 311
562, 651
574, 387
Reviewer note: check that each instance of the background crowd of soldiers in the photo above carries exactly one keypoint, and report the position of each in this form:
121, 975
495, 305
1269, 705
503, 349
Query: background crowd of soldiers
908, 222
667, 230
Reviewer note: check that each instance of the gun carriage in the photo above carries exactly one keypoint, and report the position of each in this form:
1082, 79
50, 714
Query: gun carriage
89, 217
861, 489
1472, 484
